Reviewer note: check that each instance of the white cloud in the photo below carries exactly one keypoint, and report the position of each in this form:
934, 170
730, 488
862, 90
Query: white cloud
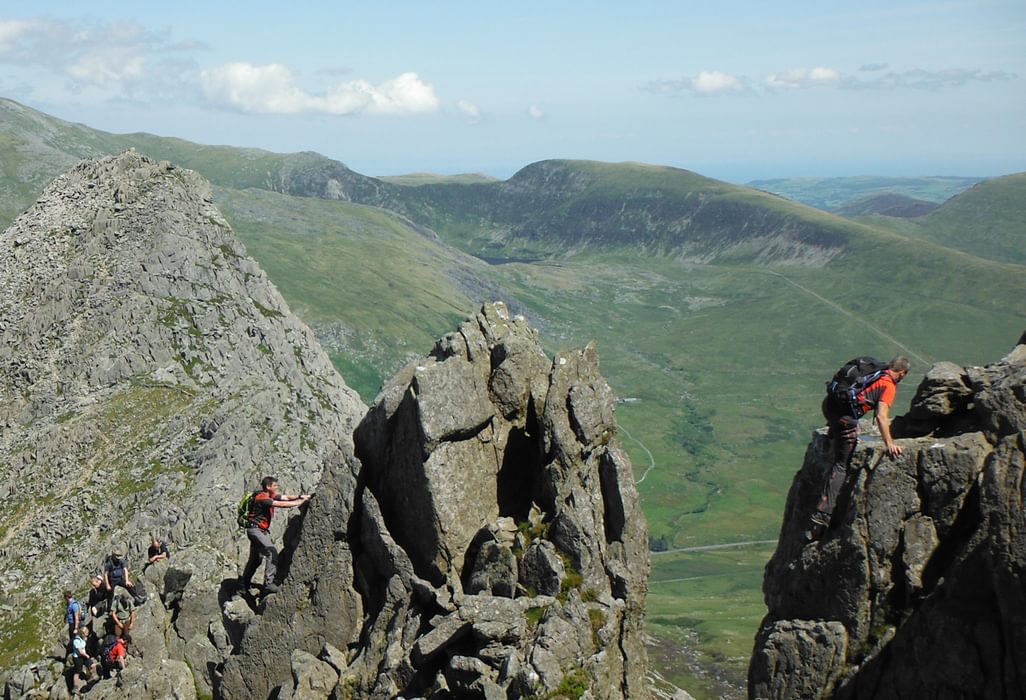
920, 79
713, 82
468, 108
707, 82
272, 89
12, 30
798, 78
120, 56
535, 112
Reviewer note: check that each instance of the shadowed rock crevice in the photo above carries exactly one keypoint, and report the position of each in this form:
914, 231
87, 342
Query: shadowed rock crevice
920, 590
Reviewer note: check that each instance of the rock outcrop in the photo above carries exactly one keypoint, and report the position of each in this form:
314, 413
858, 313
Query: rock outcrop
495, 547
486, 542
149, 375
920, 591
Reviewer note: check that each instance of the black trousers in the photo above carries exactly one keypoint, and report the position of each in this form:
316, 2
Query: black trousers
843, 431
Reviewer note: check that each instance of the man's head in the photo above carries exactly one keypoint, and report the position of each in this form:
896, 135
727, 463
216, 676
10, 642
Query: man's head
67, 595
899, 366
156, 541
125, 600
269, 484
96, 581
83, 631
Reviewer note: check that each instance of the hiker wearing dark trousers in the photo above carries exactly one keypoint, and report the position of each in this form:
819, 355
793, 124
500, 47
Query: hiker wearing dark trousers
84, 664
260, 544
115, 573
97, 600
843, 431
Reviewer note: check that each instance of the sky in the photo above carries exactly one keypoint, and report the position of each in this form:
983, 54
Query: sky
732, 90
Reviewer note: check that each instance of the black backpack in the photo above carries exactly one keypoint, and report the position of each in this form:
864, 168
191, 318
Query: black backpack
853, 377
115, 569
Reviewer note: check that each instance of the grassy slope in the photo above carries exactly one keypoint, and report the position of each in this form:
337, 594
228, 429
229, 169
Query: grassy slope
720, 366
988, 220
376, 292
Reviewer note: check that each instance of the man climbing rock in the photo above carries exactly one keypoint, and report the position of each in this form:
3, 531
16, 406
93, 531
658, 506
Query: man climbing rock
843, 423
261, 511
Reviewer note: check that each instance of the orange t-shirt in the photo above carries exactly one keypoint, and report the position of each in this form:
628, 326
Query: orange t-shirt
883, 390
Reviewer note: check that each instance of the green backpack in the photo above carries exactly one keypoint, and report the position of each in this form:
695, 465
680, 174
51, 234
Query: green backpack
244, 513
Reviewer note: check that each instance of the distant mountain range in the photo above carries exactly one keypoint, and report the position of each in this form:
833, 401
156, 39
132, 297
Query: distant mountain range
833, 193
718, 311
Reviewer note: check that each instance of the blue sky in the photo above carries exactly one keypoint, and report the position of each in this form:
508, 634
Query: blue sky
733, 90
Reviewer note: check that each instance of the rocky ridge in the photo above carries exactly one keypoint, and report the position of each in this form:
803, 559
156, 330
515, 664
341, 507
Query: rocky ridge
495, 547
920, 590
149, 374
487, 543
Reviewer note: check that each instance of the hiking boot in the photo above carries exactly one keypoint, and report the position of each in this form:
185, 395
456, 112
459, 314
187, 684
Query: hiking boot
270, 587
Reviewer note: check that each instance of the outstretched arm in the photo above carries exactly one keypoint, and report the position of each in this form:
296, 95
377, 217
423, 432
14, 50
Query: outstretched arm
883, 422
291, 501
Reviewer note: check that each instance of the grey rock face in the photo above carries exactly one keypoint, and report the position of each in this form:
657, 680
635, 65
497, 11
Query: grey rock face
921, 591
149, 375
488, 542
496, 547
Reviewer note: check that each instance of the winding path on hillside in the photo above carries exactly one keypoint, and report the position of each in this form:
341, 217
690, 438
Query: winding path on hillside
651, 459
837, 307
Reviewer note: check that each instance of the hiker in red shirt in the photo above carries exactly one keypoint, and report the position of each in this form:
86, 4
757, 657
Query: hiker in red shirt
260, 544
843, 422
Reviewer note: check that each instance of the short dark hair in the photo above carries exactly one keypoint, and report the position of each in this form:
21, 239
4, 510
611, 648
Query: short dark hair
899, 364
267, 481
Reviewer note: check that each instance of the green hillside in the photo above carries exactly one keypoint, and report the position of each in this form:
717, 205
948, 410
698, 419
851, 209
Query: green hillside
988, 221
718, 311
887, 204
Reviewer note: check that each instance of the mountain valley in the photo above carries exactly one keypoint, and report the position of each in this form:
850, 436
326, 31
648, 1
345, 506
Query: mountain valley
718, 312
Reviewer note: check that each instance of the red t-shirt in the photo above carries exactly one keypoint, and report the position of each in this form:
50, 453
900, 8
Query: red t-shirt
883, 390
262, 510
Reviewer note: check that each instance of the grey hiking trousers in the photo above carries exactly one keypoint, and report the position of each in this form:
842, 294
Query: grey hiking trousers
260, 547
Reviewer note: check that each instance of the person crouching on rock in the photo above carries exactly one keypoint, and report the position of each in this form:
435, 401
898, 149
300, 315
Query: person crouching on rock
261, 546
98, 600
115, 573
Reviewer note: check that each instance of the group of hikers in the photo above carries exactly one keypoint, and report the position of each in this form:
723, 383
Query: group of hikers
860, 386
99, 629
